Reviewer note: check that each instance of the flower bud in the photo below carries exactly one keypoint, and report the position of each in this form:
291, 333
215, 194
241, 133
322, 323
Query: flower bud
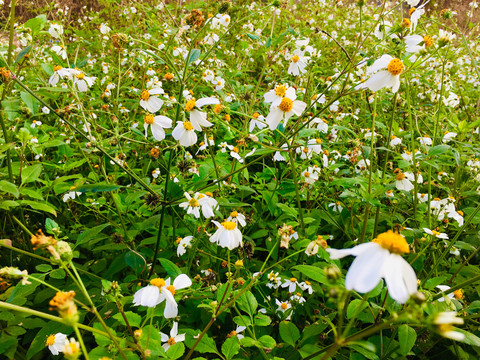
64, 250
332, 273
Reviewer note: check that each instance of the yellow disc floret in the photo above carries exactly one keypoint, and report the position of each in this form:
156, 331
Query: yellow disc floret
410, 12
286, 105
57, 67
295, 58
190, 105
406, 23
193, 202
395, 67
188, 125
393, 242
149, 119
284, 306
234, 214
171, 341
171, 288
229, 225
50, 340
428, 40
400, 176
145, 95
280, 90
80, 76
158, 282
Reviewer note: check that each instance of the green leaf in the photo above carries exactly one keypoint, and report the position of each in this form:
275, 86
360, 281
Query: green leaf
152, 342
267, 342
34, 194
31, 173
469, 339
206, 345
176, 350
36, 24
262, 320
253, 37
50, 225
132, 318
221, 292
8, 187
58, 274
438, 149
312, 272
194, 55
171, 269
242, 320
43, 267
135, 261
289, 332
406, 338
249, 342
365, 348
38, 343
30, 101
352, 307
39, 206
7, 204
22, 53
288, 210
248, 303
90, 234
230, 347
97, 187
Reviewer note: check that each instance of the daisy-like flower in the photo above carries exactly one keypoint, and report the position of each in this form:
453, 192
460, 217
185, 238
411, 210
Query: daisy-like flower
444, 288
59, 73
435, 233
291, 284
56, 343
185, 133
404, 182
444, 322
394, 141
104, 29
314, 246
60, 51
81, 81
275, 280
173, 338
157, 125
219, 83
425, 140
276, 95
199, 118
208, 204
183, 244
171, 308
283, 306
414, 44
298, 62
310, 175
55, 30
287, 107
72, 349
238, 218
227, 235
237, 332
258, 121
149, 101
415, 14
448, 136
192, 204
389, 78
306, 286
378, 259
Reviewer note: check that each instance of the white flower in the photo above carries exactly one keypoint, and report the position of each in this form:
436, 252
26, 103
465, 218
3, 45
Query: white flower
224, 19
425, 140
45, 110
199, 118
435, 233
71, 195
219, 83
283, 306
72, 349
35, 123
56, 343
336, 206
237, 332
258, 121
306, 286
444, 322
238, 218
287, 107
444, 288
156, 173
104, 29
276, 95
192, 204
60, 51
59, 72
185, 133
403, 182
298, 62
291, 284
448, 136
412, 43
416, 14
227, 235
389, 78
382, 30
310, 175
171, 308
183, 244
207, 203
55, 30
157, 124
81, 81
149, 101
173, 338
380, 259
394, 141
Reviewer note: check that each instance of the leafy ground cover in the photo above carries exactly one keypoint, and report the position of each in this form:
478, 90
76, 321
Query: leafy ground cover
240, 180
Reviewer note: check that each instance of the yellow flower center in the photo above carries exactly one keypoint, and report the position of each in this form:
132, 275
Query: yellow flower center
318, 141
306, 174
255, 115
229, 225
305, 150
400, 176
460, 212
458, 294
395, 67
145, 95
188, 125
235, 149
410, 12
158, 282
178, 240
149, 119
428, 40
219, 83
435, 233
293, 279
280, 90
171, 341
308, 282
57, 67
193, 202
168, 76
444, 328
406, 23
80, 76
286, 105
284, 306
50, 340
208, 193
171, 288
295, 58
234, 214
71, 349
190, 105
393, 242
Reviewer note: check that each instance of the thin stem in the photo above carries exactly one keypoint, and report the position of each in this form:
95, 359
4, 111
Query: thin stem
80, 340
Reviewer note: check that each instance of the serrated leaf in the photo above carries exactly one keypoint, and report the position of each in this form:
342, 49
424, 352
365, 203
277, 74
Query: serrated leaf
36, 24
248, 303
249, 342
312, 272
289, 332
171, 269
406, 338
267, 342
50, 225
230, 347
176, 351
31, 173
206, 344
10, 188
262, 320
242, 320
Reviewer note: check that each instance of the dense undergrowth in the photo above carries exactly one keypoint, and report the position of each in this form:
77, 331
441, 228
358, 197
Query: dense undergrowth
187, 182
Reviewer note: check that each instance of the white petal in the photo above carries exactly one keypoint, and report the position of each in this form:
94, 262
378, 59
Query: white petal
147, 296
400, 278
365, 271
355, 251
274, 117
380, 64
158, 132
163, 121
182, 281
207, 101
298, 107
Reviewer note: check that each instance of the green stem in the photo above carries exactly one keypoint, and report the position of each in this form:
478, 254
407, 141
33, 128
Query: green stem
80, 340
